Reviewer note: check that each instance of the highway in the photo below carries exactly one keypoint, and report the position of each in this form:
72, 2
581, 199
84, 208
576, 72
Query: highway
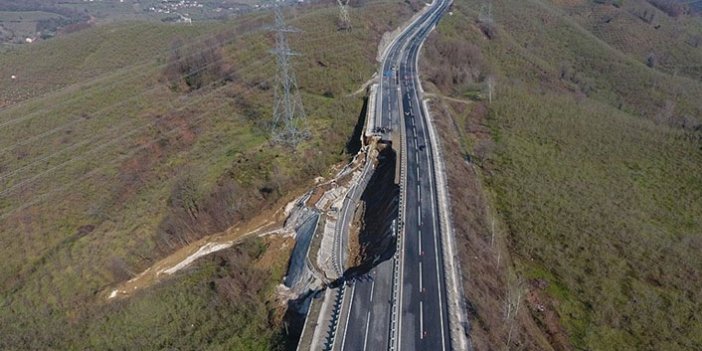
423, 323
401, 303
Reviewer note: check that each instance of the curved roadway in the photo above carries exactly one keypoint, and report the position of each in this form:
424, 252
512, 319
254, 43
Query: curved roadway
418, 292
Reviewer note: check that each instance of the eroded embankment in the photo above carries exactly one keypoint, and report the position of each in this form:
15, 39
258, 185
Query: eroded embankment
372, 238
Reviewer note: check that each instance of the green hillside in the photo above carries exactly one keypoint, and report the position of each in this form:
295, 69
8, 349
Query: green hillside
109, 161
87, 58
590, 164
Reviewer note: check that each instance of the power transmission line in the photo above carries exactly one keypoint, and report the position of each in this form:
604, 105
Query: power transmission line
51, 170
485, 15
79, 118
288, 113
344, 17
95, 148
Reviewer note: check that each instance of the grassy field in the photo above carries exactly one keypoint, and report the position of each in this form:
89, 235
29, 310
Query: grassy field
106, 165
90, 60
588, 161
640, 30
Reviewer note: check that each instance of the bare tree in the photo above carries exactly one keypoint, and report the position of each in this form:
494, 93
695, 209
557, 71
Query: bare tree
666, 113
490, 83
515, 294
651, 60
196, 65
671, 7
119, 268
486, 21
484, 149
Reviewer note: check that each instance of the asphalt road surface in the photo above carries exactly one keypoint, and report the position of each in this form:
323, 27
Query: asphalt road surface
422, 319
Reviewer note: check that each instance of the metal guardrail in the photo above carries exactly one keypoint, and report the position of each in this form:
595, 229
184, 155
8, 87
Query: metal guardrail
395, 290
400, 227
331, 333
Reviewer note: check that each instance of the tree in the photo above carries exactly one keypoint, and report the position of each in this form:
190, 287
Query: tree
196, 65
490, 82
671, 7
666, 114
651, 60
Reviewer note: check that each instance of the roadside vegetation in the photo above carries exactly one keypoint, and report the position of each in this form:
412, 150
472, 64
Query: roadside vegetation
124, 142
224, 300
576, 191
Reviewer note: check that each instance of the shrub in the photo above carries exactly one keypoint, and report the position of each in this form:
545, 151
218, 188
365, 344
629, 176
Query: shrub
671, 7
196, 65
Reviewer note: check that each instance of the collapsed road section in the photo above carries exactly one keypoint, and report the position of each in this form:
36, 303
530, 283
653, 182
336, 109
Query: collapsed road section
348, 231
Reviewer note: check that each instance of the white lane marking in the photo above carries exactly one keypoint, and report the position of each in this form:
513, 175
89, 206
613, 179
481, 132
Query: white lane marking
419, 193
365, 338
416, 157
419, 215
421, 284
421, 320
436, 254
417, 171
419, 236
346, 330
372, 288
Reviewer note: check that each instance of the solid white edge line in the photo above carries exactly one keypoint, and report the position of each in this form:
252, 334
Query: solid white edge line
436, 233
438, 267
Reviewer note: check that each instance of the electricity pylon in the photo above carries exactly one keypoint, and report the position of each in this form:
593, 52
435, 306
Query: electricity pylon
288, 114
485, 15
344, 18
